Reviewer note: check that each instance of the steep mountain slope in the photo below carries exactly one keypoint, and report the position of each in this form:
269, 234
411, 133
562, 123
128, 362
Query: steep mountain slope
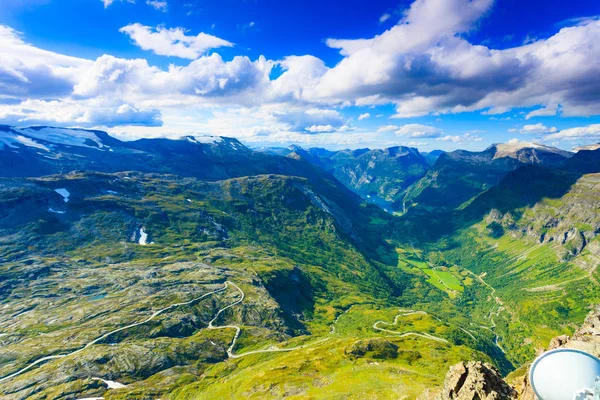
432, 156
198, 268
534, 239
85, 254
380, 175
458, 176
39, 151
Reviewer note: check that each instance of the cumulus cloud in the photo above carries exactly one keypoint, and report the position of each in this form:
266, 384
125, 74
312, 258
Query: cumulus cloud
124, 114
418, 131
320, 129
312, 120
423, 65
173, 42
208, 76
27, 71
86, 114
583, 132
537, 129
364, 116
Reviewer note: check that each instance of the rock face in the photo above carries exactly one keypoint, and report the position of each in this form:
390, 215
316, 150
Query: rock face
475, 380
377, 173
374, 348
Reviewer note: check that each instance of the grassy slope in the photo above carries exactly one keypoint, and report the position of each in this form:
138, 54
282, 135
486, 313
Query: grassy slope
511, 236
67, 278
303, 261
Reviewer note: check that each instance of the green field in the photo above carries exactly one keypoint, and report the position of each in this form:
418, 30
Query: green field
448, 280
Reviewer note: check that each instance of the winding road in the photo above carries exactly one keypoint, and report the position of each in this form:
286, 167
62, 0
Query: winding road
498, 303
211, 325
93, 342
238, 331
405, 313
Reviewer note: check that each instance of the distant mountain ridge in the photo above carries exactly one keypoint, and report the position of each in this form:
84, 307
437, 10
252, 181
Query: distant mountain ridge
38, 151
459, 175
43, 151
379, 175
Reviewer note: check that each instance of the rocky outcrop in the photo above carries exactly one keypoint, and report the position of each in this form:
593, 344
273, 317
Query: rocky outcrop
475, 380
481, 381
374, 348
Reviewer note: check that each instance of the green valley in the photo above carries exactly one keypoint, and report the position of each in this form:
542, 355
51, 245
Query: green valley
282, 284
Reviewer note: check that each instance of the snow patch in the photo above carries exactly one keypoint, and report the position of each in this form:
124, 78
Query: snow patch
55, 211
207, 139
63, 136
30, 142
112, 384
10, 139
64, 193
143, 237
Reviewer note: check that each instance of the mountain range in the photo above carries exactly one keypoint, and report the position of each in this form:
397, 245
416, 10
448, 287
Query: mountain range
200, 268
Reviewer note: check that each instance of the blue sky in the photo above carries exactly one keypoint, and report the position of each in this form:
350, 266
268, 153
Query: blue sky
426, 73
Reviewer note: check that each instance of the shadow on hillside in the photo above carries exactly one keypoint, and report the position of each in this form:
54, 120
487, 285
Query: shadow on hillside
521, 188
295, 295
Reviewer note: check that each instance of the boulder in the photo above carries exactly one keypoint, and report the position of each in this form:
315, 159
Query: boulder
475, 380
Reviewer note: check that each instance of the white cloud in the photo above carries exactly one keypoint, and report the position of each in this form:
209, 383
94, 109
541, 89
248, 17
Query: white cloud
547, 111
320, 129
583, 132
248, 25
364, 116
537, 129
388, 128
384, 18
173, 42
109, 2
418, 131
159, 5
80, 113
417, 144
467, 137
312, 120
26, 71
422, 65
